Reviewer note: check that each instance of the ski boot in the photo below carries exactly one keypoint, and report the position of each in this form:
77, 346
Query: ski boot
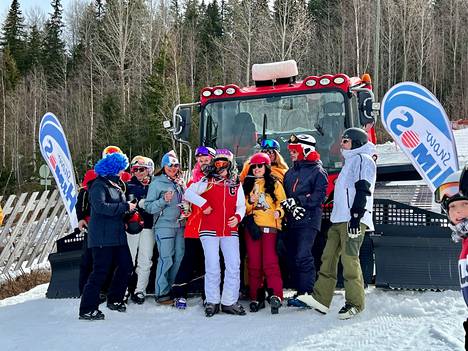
138, 298
236, 308
180, 303
116, 306
255, 306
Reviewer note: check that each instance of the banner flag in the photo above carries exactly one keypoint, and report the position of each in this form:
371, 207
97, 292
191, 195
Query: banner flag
55, 151
417, 122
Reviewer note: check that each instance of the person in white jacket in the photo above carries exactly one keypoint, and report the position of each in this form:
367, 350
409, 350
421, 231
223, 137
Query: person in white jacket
351, 216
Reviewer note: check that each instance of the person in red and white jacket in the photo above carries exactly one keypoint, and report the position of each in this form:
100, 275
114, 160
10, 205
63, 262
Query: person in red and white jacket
221, 198
453, 197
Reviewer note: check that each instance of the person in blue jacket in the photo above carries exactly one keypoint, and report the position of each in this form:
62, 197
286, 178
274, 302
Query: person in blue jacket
163, 201
305, 185
107, 238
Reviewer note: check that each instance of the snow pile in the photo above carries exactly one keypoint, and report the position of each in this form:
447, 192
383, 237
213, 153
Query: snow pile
390, 153
393, 320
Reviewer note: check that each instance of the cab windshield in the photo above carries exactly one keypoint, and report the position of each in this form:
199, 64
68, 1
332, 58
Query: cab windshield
239, 124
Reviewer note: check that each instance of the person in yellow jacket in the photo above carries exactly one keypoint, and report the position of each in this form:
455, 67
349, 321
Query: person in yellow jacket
264, 194
278, 165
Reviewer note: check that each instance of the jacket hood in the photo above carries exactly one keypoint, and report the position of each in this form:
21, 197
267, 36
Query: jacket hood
368, 148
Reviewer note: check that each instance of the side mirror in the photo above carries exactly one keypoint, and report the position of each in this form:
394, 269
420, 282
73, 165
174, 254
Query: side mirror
366, 107
183, 123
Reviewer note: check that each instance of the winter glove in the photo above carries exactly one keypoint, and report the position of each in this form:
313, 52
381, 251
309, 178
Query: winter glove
354, 227
298, 212
289, 204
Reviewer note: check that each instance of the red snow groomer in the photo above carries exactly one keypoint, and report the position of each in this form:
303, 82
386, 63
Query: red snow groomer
280, 104
277, 106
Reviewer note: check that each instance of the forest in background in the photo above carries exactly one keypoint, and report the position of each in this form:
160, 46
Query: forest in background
113, 70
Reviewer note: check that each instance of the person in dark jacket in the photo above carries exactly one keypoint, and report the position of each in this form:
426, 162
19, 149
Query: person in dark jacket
142, 169
305, 185
107, 237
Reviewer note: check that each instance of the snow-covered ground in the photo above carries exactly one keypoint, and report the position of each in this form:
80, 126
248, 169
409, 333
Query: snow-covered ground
392, 320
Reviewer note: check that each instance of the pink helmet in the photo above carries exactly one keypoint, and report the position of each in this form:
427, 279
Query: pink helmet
260, 158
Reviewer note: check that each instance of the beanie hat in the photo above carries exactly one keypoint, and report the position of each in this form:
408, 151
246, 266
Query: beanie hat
169, 159
111, 164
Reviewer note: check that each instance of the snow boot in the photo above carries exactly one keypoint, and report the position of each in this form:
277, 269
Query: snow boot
138, 298
117, 306
255, 306
347, 311
211, 309
95, 315
236, 308
275, 304
311, 302
180, 303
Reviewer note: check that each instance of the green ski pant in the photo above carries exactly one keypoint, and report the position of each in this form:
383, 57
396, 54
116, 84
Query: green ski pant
340, 244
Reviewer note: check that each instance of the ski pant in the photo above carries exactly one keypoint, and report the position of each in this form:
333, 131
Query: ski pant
170, 243
103, 260
191, 267
301, 261
340, 244
230, 248
262, 261
143, 244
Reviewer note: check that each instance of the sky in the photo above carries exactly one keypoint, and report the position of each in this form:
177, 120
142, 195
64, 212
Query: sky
27, 6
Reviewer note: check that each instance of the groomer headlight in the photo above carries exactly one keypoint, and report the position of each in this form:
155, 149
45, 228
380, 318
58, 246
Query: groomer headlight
230, 91
218, 92
206, 93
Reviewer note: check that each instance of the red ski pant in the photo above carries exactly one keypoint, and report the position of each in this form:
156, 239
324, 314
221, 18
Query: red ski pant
262, 261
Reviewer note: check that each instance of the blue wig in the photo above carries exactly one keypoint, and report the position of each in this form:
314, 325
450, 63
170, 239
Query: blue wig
112, 164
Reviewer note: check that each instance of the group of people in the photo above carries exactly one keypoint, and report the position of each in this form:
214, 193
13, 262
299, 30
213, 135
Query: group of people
218, 210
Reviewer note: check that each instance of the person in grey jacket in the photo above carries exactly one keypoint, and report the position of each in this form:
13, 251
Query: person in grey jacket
351, 216
163, 199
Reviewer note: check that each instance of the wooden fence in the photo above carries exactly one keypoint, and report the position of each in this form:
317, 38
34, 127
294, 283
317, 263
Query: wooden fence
32, 223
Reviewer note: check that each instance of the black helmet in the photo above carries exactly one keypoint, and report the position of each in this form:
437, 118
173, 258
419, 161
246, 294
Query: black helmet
357, 136
134, 223
453, 188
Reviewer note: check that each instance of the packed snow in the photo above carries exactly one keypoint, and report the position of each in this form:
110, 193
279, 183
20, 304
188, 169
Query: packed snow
392, 320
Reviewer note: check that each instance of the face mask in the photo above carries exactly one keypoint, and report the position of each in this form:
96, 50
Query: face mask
460, 230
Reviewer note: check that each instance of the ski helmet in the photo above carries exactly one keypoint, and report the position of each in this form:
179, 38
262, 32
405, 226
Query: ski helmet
134, 223
205, 151
142, 161
451, 190
260, 158
304, 144
269, 144
170, 159
357, 136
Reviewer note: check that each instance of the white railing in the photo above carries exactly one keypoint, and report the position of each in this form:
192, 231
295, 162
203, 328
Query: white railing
32, 223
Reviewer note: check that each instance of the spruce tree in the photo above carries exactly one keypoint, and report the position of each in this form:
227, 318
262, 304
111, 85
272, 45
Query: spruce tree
13, 36
53, 57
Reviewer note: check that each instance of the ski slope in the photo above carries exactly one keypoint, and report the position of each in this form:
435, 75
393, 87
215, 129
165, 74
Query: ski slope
392, 320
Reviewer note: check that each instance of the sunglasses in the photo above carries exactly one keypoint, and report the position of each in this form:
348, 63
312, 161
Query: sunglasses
446, 190
176, 165
345, 141
139, 169
221, 164
257, 166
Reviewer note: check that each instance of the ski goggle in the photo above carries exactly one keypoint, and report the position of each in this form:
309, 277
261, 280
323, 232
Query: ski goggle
446, 191
269, 144
221, 164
